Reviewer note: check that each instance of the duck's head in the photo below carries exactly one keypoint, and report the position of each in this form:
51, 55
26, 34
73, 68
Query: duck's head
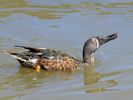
92, 44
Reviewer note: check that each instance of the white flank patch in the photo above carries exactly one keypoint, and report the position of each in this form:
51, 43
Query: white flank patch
33, 60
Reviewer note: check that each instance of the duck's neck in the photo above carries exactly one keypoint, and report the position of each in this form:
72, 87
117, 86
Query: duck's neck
89, 49
88, 58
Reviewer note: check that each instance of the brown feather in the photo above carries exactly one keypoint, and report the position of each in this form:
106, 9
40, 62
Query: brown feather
66, 63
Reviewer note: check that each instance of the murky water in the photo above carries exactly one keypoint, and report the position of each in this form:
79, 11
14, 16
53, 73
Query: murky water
66, 25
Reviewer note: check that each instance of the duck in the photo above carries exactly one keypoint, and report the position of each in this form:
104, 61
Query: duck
50, 59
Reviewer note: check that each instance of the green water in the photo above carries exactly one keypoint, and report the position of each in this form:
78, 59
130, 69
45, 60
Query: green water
66, 25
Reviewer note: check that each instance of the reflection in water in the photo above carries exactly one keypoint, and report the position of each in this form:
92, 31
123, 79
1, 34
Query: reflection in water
90, 75
9, 7
92, 81
27, 80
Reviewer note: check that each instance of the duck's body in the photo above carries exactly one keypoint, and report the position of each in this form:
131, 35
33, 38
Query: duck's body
49, 59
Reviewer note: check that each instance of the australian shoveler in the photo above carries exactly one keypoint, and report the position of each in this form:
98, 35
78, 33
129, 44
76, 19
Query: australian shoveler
48, 59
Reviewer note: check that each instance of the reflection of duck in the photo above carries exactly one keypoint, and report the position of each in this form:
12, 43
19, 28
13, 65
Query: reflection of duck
55, 60
93, 82
91, 76
26, 81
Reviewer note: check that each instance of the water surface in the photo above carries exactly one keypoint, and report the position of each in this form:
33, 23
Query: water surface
66, 25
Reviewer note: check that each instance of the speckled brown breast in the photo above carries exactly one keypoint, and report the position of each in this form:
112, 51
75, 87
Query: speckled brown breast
64, 63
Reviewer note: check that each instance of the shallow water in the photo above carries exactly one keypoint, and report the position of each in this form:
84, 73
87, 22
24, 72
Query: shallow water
66, 25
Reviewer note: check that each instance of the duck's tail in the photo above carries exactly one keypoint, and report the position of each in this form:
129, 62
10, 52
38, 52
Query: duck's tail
24, 60
15, 55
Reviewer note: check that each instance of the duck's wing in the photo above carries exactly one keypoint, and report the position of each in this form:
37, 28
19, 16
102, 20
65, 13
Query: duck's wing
31, 49
30, 58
